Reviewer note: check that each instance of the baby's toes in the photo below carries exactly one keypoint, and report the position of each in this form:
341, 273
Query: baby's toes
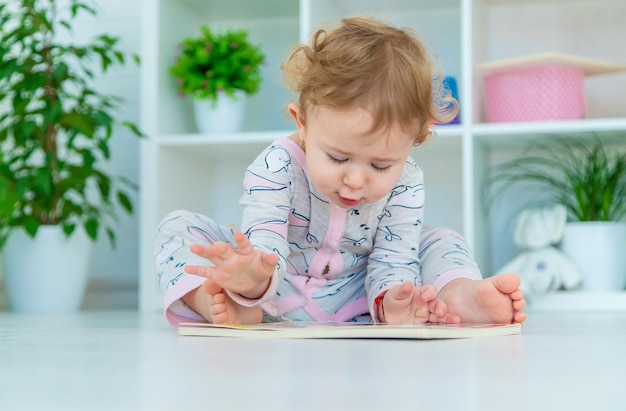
221, 318
519, 304
217, 309
519, 317
211, 287
219, 298
517, 295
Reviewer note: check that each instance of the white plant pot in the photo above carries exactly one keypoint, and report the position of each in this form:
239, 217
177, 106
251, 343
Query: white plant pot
599, 251
48, 273
226, 117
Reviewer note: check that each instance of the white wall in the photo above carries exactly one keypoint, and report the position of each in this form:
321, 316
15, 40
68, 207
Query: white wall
114, 272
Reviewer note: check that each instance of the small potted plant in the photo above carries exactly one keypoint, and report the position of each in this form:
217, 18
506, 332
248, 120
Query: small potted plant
55, 135
216, 70
589, 180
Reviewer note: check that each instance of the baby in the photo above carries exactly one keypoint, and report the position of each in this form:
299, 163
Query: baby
332, 224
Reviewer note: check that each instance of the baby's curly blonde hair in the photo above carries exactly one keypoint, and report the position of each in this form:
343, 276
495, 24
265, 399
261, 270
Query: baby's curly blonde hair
370, 64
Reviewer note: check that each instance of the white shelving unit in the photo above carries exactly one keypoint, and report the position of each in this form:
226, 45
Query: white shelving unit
183, 169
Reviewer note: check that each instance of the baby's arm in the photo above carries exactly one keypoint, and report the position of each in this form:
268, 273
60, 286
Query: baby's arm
243, 270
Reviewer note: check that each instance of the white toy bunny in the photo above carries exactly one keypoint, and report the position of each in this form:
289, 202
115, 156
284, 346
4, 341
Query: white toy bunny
541, 266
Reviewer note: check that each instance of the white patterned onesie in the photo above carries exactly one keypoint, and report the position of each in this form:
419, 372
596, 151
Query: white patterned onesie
333, 261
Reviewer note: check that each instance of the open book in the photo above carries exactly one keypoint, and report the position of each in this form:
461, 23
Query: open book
348, 330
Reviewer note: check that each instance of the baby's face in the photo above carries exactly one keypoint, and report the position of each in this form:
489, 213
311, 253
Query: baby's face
349, 163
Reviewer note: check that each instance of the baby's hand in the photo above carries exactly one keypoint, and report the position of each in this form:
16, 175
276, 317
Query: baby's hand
243, 270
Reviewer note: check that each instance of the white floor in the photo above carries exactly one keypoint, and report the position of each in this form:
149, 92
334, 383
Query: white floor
121, 360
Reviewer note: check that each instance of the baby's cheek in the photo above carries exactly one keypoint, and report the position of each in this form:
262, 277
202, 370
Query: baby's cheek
385, 185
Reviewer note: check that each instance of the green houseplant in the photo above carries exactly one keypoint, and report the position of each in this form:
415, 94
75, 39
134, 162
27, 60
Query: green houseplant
216, 68
581, 174
589, 180
55, 128
214, 63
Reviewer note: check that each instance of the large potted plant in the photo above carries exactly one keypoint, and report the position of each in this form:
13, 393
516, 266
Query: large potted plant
218, 70
55, 133
589, 180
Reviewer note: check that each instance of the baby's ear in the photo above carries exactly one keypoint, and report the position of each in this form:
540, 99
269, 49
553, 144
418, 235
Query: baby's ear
297, 114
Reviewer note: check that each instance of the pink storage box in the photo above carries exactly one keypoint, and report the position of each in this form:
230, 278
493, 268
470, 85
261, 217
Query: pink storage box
541, 87
541, 93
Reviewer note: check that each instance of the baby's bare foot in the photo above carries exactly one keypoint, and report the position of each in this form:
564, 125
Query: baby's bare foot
223, 310
495, 299
407, 304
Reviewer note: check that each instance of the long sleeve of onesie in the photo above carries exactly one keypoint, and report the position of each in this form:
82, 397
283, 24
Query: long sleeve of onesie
395, 254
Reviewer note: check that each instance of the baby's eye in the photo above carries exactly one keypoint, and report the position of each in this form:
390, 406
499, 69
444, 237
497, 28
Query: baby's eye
380, 168
337, 160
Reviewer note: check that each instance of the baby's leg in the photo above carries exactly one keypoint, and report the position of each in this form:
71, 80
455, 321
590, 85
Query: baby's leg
407, 304
495, 299
221, 309
448, 264
177, 232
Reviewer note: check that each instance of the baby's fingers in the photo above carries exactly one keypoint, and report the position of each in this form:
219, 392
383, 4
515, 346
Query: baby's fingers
244, 246
199, 250
200, 270
215, 253
439, 309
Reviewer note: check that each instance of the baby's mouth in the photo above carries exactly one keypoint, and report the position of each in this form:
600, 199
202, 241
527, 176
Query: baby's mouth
348, 201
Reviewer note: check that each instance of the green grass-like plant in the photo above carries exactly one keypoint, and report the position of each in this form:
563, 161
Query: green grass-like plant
55, 128
214, 63
581, 174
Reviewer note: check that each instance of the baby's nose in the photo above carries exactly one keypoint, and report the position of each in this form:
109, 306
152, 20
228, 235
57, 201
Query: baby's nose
354, 178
